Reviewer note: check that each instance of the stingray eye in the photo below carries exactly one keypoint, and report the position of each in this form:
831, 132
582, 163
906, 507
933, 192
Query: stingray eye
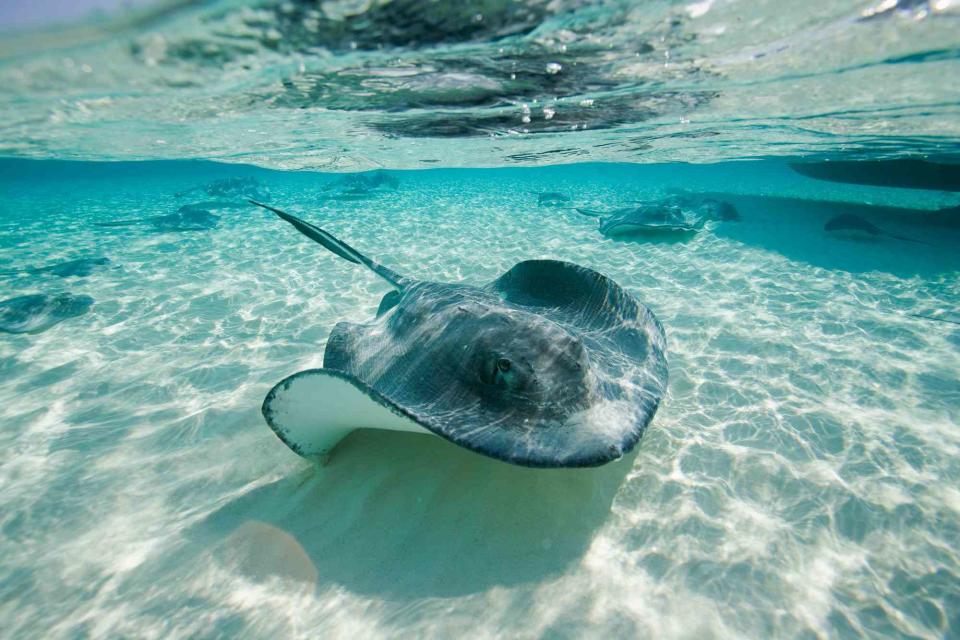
503, 365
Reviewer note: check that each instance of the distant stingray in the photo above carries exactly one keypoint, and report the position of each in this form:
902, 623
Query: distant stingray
719, 210
854, 227
38, 312
218, 205
552, 199
646, 220
550, 365
79, 268
187, 218
362, 185
706, 207
232, 188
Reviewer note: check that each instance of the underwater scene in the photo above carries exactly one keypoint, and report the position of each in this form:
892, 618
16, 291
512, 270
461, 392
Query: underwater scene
390, 318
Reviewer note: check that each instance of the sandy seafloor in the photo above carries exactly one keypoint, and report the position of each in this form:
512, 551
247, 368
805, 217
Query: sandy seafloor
799, 480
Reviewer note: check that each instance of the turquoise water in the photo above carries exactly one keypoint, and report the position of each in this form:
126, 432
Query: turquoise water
801, 477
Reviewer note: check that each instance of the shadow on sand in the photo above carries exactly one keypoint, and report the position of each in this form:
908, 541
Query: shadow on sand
404, 516
794, 228
662, 237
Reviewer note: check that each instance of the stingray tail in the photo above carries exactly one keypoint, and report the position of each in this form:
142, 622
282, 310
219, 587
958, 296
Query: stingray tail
922, 317
590, 213
118, 223
337, 246
906, 239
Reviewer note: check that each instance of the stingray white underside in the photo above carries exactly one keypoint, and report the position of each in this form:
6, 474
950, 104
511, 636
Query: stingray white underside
312, 411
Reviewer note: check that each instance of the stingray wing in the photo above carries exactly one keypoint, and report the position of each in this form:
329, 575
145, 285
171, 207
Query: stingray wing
313, 410
625, 341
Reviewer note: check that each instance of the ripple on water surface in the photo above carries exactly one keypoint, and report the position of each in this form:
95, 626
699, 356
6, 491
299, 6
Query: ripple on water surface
343, 85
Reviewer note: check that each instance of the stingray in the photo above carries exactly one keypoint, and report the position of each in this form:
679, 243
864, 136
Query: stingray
646, 220
355, 186
854, 227
187, 218
38, 312
80, 268
356, 193
719, 210
240, 188
552, 199
219, 205
550, 365
707, 208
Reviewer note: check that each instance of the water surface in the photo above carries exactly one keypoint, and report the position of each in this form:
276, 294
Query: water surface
801, 476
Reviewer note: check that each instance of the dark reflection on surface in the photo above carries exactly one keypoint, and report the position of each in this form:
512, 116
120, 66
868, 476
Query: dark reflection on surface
907, 173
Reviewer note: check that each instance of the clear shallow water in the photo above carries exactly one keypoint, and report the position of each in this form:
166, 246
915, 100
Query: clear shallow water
799, 479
